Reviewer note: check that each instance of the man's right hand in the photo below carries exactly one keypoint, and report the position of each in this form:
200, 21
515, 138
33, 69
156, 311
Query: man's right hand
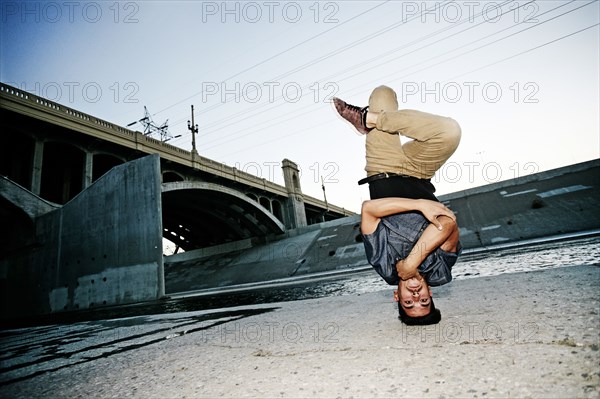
433, 209
405, 271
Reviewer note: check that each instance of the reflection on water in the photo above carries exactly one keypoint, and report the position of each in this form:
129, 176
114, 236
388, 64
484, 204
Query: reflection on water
584, 251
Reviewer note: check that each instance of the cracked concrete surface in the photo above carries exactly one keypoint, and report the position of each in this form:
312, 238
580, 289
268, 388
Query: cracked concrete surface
531, 334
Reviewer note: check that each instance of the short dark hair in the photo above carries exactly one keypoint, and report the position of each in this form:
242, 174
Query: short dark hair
433, 317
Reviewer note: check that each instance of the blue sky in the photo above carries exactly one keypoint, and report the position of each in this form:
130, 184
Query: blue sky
520, 77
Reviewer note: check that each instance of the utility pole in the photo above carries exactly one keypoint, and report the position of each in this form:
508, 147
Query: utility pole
324, 194
194, 129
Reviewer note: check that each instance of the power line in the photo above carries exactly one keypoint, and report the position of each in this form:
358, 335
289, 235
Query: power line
401, 47
349, 46
427, 67
439, 55
279, 54
353, 44
369, 84
492, 42
319, 59
529, 50
474, 70
303, 130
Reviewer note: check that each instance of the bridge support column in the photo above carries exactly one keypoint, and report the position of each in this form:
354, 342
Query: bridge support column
295, 212
88, 171
36, 170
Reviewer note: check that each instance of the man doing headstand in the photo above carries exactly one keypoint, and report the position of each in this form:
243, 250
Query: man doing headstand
410, 238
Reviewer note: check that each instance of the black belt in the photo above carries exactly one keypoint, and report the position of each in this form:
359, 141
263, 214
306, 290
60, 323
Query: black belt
384, 175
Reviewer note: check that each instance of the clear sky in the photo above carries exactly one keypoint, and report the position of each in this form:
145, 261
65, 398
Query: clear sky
521, 77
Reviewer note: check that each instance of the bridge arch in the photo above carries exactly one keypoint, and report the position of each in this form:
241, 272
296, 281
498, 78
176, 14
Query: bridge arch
169, 176
62, 176
201, 214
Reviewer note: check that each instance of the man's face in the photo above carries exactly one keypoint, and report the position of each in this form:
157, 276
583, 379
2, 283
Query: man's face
414, 296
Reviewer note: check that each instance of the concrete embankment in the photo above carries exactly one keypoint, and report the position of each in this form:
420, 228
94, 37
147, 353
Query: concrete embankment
550, 203
518, 335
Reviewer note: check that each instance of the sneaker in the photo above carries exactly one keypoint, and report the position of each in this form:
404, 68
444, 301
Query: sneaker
355, 115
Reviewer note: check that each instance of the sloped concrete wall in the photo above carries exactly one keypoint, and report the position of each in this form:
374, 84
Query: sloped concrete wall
325, 247
555, 202
102, 248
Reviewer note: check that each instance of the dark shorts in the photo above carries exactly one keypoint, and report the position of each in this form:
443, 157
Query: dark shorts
403, 187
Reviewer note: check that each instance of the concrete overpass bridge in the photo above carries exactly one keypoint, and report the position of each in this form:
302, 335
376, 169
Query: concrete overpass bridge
81, 197
57, 152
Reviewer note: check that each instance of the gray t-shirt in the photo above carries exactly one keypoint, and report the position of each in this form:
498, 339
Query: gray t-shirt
394, 238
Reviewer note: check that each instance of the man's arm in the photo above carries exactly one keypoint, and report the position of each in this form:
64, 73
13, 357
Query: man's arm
432, 238
373, 210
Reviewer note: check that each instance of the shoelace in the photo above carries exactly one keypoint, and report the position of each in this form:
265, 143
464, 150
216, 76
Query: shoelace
362, 111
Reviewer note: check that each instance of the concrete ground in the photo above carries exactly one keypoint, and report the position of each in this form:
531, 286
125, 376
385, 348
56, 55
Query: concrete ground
531, 334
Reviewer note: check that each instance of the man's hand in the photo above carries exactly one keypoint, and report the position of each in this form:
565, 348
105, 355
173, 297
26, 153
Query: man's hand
433, 209
405, 271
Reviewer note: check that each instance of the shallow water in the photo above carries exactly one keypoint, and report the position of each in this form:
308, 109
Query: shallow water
585, 251
574, 252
